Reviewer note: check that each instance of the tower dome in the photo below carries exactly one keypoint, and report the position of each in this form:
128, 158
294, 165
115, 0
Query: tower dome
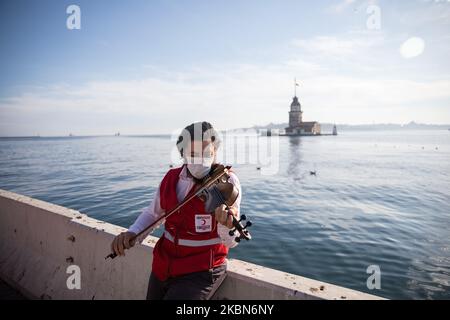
295, 105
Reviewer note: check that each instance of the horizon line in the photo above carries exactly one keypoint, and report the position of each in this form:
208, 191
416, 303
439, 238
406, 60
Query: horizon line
70, 135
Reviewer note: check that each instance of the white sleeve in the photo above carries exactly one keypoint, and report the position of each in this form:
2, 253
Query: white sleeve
149, 215
222, 230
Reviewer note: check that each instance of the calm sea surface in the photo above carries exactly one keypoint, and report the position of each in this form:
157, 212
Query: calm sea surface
378, 198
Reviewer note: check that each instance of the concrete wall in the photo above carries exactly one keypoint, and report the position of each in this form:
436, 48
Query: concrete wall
39, 241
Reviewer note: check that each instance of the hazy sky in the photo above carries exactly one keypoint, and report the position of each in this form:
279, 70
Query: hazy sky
142, 67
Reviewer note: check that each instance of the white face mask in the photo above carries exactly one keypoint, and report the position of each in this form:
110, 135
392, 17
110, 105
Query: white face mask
199, 168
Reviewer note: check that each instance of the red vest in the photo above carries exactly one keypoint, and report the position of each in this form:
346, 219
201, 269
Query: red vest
190, 242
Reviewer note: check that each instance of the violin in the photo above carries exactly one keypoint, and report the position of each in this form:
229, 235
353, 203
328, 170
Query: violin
214, 190
225, 193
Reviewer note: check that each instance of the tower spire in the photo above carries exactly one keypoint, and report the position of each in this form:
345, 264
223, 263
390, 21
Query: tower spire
295, 87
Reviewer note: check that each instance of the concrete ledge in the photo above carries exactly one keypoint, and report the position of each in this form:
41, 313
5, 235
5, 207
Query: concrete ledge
40, 240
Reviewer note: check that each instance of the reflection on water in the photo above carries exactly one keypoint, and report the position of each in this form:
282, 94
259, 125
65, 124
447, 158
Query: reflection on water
295, 157
378, 198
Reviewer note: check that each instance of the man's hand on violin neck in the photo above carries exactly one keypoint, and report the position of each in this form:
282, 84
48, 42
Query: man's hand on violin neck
223, 216
121, 242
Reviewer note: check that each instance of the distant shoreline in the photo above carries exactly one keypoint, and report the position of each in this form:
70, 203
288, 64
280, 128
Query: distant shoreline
342, 129
365, 127
88, 136
324, 126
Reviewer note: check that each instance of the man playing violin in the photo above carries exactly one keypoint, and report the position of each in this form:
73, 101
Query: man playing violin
192, 253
